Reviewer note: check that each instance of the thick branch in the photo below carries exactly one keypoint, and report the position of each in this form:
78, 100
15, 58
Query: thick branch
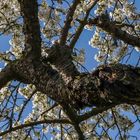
93, 112
109, 26
61, 58
29, 11
6, 75
108, 85
74, 118
68, 21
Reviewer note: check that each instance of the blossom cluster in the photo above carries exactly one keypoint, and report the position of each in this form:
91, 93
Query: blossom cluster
9, 13
111, 49
49, 20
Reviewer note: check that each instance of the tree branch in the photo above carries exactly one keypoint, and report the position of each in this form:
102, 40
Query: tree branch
74, 118
93, 112
109, 26
29, 11
31, 124
108, 85
81, 26
79, 132
61, 58
6, 75
69, 18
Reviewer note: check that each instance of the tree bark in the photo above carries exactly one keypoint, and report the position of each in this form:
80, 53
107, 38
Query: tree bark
108, 85
115, 30
57, 77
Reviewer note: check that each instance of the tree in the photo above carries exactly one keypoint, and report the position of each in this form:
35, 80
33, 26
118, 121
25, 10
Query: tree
43, 91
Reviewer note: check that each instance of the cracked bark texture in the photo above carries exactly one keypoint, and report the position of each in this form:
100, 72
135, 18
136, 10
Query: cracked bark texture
31, 28
111, 84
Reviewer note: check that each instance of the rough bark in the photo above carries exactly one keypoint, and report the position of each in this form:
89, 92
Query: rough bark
6, 75
112, 28
108, 85
61, 58
32, 124
31, 28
